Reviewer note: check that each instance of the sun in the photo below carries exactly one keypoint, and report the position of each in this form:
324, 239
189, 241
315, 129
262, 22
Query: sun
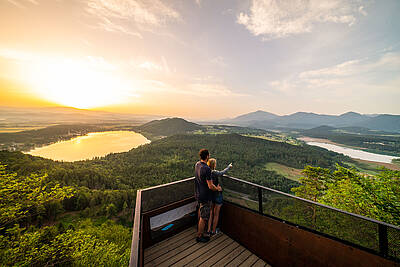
78, 84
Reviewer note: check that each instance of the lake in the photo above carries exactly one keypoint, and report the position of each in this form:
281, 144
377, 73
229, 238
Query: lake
91, 145
353, 153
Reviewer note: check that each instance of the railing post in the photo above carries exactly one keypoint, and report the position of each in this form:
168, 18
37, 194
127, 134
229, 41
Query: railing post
135, 257
383, 240
260, 202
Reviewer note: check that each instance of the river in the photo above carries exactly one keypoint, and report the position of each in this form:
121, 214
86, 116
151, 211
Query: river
353, 153
91, 145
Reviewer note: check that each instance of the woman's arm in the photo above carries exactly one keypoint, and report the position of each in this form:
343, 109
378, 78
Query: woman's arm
220, 173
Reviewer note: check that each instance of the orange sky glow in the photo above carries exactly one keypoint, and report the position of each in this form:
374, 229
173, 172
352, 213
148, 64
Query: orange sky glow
201, 59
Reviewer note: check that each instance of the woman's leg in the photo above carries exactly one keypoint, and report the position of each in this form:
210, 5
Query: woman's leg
216, 210
210, 220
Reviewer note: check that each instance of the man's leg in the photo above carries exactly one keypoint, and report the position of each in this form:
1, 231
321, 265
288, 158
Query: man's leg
200, 228
204, 216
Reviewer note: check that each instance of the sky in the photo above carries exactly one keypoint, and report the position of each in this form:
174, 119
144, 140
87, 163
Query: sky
202, 59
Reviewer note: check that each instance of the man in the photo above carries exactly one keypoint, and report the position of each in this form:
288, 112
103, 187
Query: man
203, 192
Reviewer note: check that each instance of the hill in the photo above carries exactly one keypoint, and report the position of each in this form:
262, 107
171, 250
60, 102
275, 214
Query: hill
65, 115
308, 120
249, 118
384, 122
167, 127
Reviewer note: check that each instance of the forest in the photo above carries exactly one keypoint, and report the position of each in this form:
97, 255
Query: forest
80, 213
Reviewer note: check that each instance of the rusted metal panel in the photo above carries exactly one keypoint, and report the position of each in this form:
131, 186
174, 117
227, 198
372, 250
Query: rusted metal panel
281, 244
146, 234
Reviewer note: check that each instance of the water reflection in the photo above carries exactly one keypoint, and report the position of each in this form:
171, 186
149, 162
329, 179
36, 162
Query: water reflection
91, 145
354, 153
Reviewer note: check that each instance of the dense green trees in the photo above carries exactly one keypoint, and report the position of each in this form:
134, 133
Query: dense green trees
25, 200
374, 197
98, 190
23, 197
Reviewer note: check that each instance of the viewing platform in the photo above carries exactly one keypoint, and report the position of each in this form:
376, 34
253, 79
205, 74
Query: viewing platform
259, 226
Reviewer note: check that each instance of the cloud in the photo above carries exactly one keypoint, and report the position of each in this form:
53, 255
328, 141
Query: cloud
191, 88
209, 90
96, 62
123, 15
358, 74
273, 19
150, 66
21, 3
362, 11
219, 61
110, 26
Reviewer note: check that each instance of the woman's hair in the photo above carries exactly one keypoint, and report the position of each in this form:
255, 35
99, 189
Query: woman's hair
211, 163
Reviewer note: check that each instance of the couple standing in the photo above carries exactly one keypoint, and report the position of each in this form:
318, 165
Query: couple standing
208, 194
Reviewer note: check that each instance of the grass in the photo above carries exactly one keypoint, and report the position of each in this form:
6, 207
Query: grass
288, 172
275, 138
367, 168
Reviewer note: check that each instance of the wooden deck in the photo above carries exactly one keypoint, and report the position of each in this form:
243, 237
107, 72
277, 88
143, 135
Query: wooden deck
183, 250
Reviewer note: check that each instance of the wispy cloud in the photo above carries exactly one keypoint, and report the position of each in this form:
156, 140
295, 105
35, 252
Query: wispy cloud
131, 16
219, 61
111, 26
353, 74
194, 88
273, 19
21, 3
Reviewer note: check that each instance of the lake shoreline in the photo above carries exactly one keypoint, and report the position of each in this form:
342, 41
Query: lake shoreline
90, 145
327, 141
350, 151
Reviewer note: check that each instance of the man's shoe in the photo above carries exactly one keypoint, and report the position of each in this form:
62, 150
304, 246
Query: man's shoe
203, 239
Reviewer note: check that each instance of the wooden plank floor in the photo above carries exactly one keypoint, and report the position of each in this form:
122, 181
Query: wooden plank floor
183, 250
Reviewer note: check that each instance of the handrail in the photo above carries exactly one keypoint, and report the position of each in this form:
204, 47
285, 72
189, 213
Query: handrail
168, 184
135, 256
314, 203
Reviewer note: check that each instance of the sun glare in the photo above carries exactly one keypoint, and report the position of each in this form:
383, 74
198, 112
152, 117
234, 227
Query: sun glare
79, 85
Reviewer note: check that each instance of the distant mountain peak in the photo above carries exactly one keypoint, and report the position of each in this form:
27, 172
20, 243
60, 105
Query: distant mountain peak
256, 115
351, 114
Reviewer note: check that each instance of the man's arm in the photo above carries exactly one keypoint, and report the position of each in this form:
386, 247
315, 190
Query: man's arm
212, 186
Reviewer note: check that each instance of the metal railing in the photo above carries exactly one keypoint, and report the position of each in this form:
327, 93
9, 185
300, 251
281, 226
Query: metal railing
374, 236
153, 198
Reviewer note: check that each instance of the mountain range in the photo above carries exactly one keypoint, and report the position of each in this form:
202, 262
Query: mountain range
63, 115
306, 120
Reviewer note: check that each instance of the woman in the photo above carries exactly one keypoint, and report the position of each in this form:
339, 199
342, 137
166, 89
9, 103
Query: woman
217, 195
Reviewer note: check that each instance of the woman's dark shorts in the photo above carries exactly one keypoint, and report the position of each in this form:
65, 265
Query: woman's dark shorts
205, 210
217, 198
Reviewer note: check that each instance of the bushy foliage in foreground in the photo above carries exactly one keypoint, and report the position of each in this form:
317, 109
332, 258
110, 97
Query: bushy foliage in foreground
23, 199
375, 197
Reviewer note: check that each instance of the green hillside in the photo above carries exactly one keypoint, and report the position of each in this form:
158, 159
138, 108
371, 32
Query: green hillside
167, 127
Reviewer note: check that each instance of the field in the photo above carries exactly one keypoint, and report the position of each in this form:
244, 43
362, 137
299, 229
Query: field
288, 172
275, 137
